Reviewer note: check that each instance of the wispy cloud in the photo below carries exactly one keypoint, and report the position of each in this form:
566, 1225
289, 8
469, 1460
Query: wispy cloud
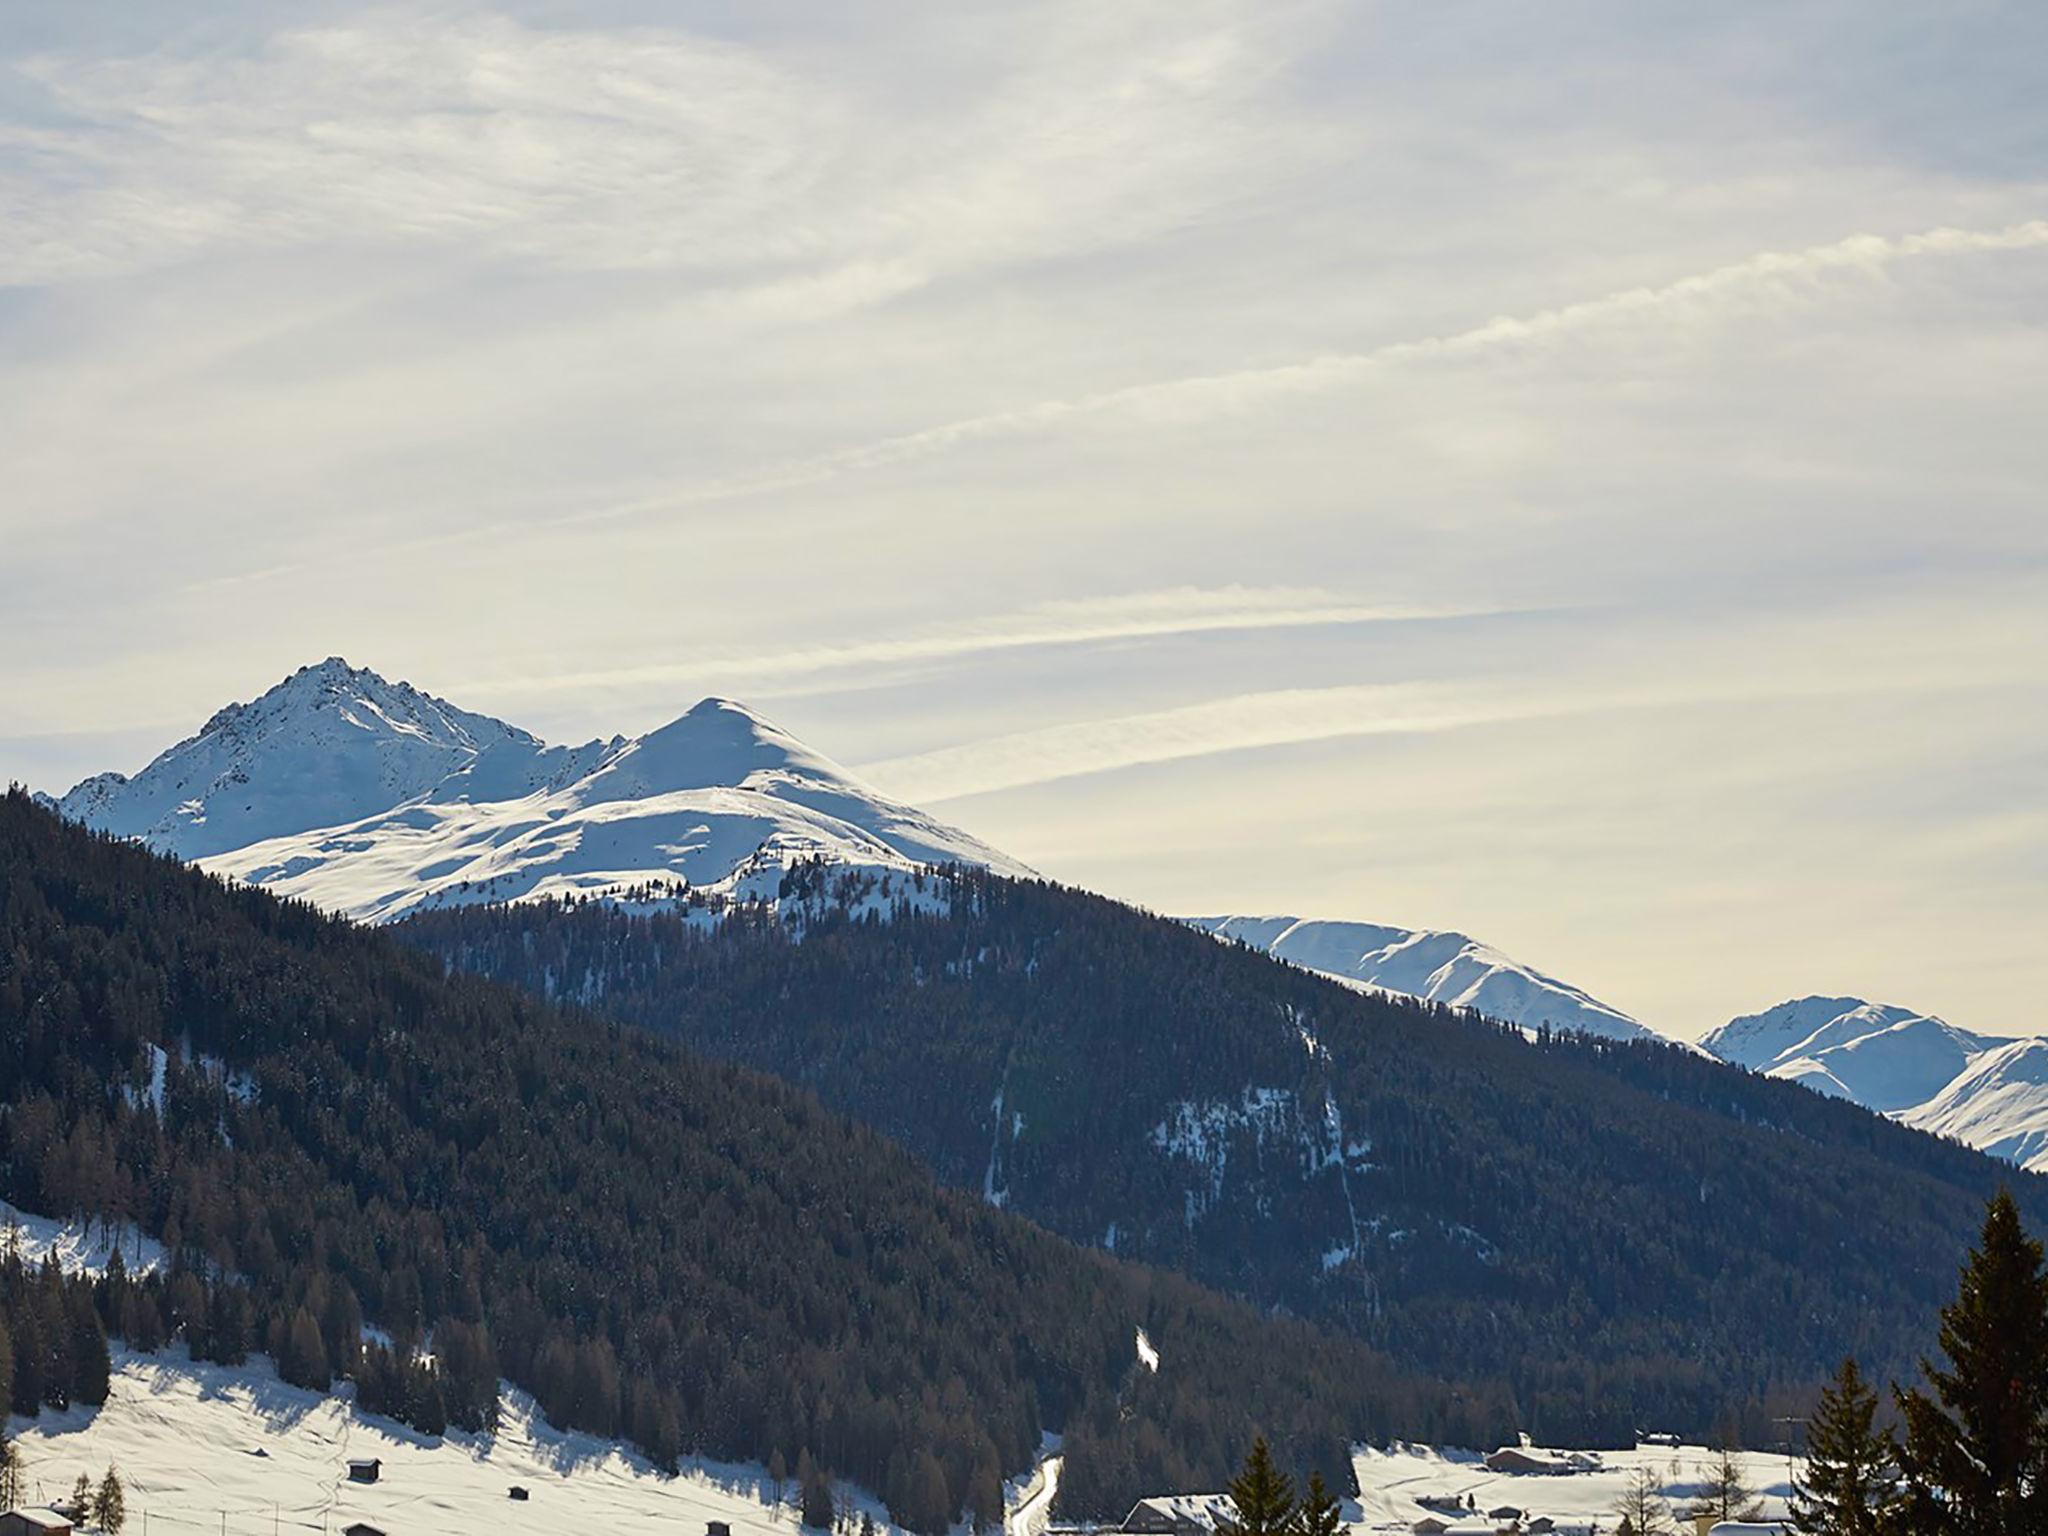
1298, 716
1133, 616
1770, 277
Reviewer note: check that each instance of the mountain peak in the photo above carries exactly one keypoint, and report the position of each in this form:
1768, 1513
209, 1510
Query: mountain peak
373, 798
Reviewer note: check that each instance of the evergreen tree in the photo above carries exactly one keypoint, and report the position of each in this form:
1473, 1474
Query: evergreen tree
1318, 1514
13, 1480
815, 1496
1263, 1494
109, 1506
1975, 1456
1851, 1469
81, 1496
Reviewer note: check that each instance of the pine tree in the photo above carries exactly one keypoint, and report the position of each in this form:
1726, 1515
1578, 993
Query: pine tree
12, 1479
109, 1506
1975, 1457
1851, 1469
81, 1496
1318, 1514
1263, 1494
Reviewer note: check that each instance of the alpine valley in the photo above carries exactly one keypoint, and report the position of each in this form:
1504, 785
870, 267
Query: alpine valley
1455, 1166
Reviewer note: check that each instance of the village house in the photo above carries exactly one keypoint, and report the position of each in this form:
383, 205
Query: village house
365, 1469
1179, 1514
34, 1522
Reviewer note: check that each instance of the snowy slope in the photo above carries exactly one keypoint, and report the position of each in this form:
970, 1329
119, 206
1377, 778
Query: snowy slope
1441, 967
1998, 1103
1986, 1090
1395, 1483
373, 799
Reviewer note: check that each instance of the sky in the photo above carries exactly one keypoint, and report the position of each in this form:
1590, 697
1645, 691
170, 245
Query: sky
1576, 474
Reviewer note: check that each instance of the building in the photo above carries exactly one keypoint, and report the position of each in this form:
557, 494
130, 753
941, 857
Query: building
1518, 1459
34, 1522
365, 1469
1430, 1525
359, 1529
519, 1493
1179, 1514
717, 1528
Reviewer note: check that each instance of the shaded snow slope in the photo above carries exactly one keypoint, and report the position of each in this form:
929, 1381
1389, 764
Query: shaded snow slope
373, 799
1448, 968
1988, 1091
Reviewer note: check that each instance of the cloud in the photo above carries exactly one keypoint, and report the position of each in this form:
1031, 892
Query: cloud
1768, 277
1134, 616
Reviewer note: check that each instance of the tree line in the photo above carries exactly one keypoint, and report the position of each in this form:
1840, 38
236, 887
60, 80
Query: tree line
324, 1128
1591, 1235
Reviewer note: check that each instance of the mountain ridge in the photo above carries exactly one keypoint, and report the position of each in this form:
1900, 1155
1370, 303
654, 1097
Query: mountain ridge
1438, 966
373, 799
1988, 1091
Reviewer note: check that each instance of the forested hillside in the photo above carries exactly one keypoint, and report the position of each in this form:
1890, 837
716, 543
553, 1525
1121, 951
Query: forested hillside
1634, 1234
321, 1127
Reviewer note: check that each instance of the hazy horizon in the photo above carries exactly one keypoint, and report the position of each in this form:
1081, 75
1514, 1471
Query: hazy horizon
1575, 478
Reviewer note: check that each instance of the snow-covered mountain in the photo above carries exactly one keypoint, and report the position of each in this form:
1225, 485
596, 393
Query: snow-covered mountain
374, 799
1441, 967
1998, 1104
1986, 1090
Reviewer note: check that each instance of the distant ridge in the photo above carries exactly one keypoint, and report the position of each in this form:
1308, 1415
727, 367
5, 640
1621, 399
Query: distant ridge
1438, 967
1988, 1091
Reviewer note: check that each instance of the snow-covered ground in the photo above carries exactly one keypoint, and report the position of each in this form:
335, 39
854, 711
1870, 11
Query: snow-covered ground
212, 1449
234, 1451
1394, 1481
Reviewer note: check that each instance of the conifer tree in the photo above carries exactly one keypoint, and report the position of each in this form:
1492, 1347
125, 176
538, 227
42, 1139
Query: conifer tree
12, 1479
1263, 1494
109, 1506
1851, 1469
1975, 1456
81, 1495
1318, 1514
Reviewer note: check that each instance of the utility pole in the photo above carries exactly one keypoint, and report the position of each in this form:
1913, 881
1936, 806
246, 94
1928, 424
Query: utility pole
1791, 1472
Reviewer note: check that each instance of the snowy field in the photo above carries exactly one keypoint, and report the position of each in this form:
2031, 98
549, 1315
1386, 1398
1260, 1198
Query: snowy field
1392, 1482
236, 1452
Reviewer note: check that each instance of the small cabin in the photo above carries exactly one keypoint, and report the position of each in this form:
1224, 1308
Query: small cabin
717, 1528
517, 1493
1430, 1525
365, 1469
34, 1522
1507, 1514
360, 1529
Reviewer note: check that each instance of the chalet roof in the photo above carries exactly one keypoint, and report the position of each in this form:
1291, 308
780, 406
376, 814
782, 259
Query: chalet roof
48, 1519
1210, 1509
